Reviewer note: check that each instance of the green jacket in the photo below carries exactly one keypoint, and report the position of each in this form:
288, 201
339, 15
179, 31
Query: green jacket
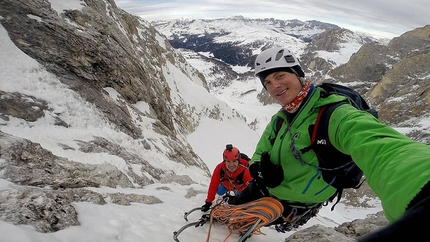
395, 167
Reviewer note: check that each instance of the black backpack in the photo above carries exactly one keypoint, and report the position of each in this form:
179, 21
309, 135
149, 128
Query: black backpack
245, 157
337, 168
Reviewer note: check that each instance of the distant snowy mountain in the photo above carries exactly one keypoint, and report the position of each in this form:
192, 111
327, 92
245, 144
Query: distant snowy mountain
224, 51
237, 40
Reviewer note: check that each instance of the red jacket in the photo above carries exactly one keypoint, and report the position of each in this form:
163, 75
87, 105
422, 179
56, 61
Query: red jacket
229, 180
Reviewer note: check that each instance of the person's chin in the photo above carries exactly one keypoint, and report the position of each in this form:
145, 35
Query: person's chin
284, 101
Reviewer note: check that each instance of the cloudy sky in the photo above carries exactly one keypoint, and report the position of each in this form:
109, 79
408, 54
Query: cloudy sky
379, 17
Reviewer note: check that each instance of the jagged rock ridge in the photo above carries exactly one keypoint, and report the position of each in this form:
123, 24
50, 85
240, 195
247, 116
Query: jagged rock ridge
114, 68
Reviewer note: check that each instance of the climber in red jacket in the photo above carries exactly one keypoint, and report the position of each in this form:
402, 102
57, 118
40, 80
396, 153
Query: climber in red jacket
231, 175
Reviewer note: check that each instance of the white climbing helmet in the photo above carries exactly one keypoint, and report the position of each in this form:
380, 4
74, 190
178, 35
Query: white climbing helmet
276, 59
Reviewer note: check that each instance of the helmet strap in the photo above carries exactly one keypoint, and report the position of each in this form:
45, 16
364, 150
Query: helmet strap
303, 81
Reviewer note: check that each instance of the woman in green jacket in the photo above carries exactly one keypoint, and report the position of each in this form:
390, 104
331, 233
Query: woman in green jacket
396, 168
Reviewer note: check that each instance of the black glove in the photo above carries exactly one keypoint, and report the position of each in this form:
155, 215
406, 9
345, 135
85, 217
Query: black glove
253, 191
271, 174
206, 207
283, 227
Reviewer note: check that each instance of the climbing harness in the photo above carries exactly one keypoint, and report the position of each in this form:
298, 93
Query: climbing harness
296, 218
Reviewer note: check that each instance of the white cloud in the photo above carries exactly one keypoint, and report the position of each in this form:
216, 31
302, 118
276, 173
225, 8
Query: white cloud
380, 17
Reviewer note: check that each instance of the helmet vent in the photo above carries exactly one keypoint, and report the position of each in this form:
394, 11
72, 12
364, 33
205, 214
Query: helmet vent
289, 59
279, 55
269, 60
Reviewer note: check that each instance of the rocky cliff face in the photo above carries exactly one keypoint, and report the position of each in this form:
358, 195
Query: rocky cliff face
395, 78
330, 41
345, 232
96, 48
111, 63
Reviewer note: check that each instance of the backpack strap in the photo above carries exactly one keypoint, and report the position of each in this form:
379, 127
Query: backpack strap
320, 136
317, 123
337, 168
320, 142
239, 178
221, 174
314, 132
278, 125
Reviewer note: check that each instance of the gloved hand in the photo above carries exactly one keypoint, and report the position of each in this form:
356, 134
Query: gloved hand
228, 196
206, 207
271, 174
253, 191
284, 227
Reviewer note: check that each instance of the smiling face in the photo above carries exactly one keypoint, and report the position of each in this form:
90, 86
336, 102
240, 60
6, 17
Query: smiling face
232, 165
283, 86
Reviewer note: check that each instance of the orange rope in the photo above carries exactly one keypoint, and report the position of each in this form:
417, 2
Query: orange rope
240, 218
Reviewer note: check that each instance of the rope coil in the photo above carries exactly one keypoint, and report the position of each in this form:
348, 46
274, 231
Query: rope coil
240, 218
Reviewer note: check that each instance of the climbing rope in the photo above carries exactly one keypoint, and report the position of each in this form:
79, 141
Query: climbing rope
240, 218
